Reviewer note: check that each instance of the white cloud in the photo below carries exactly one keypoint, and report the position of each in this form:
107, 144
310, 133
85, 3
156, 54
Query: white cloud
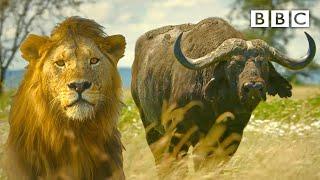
135, 17
161, 13
125, 17
181, 3
98, 11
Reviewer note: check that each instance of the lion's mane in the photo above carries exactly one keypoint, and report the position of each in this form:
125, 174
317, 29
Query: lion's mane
42, 143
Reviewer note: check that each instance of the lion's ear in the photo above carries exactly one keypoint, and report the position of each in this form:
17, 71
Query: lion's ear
277, 84
30, 47
116, 45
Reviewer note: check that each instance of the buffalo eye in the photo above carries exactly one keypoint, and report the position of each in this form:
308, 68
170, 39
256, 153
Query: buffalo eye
60, 63
265, 66
94, 61
232, 62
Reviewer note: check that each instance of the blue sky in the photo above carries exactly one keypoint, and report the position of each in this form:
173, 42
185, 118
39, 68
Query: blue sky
132, 18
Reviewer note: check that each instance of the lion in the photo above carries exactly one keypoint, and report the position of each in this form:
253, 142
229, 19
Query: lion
63, 120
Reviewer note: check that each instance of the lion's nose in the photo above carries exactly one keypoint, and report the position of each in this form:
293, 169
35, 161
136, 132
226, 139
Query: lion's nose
79, 87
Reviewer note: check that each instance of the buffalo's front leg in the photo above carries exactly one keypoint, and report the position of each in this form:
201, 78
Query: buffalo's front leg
220, 143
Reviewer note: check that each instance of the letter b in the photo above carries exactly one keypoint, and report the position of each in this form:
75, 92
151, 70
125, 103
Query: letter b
280, 18
259, 18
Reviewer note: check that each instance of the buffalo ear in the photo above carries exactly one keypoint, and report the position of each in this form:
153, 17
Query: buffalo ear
30, 47
277, 84
116, 45
212, 90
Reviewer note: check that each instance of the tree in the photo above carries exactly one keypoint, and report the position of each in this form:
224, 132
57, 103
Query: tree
18, 18
273, 36
276, 37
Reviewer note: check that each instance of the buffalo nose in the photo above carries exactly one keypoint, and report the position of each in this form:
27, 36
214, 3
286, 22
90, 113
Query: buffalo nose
79, 87
253, 86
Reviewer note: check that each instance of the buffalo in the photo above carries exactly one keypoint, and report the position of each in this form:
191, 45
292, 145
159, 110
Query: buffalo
208, 62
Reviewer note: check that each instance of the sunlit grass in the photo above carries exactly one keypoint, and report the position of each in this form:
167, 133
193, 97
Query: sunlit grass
281, 141
5, 101
289, 110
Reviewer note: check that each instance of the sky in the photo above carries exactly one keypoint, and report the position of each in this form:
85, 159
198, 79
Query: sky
132, 18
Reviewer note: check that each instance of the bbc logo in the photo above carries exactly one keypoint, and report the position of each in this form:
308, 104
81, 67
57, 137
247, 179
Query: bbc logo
280, 18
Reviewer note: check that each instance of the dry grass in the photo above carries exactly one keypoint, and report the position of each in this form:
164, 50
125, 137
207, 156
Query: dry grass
280, 142
302, 92
283, 145
260, 156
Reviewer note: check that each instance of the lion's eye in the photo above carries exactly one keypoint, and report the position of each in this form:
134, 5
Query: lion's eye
60, 63
94, 60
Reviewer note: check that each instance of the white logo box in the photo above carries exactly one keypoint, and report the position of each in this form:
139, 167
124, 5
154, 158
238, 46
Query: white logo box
280, 18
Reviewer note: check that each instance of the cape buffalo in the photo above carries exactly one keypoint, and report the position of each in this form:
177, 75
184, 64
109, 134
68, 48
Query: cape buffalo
208, 62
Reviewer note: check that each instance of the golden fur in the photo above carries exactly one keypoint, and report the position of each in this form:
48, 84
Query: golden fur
43, 141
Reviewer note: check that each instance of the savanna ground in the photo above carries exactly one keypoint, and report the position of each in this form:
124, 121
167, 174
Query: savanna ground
281, 141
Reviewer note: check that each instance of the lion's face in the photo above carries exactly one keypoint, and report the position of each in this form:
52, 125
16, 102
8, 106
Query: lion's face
78, 76
78, 73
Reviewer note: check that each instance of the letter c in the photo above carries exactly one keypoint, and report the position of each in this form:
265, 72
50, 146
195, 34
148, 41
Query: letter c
296, 20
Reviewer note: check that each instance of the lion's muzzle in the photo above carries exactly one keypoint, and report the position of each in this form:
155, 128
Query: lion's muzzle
80, 107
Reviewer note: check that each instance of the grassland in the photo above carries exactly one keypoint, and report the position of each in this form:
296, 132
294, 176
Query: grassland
280, 142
